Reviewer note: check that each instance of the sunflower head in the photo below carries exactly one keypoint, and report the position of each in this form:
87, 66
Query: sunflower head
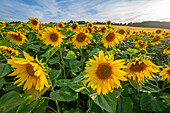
75, 26
16, 37
90, 29
167, 50
140, 69
81, 39
165, 74
103, 29
158, 31
60, 25
110, 39
52, 36
156, 40
39, 34
9, 51
108, 23
29, 72
4, 24
89, 24
33, 22
141, 44
104, 73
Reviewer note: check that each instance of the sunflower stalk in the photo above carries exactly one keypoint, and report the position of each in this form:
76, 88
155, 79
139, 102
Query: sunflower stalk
3, 55
63, 63
163, 87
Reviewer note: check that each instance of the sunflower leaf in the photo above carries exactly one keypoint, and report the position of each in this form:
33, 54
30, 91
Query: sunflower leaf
4, 69
6, 43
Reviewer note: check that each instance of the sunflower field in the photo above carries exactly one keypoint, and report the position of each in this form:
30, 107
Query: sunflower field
72, 68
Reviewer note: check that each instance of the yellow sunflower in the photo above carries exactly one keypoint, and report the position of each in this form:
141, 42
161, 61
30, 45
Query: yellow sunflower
141, 44
60, 24
81, 39
158, 31
108, 23
90, 29
110, 39
165, 74
89, 24
39, 34
75, 26
9, 51
103, 30
33, 22
16, 37
139, 69
156, 40
167, 34
167, 50
104, 73
29, 72
4, 24
52, 36
122, 33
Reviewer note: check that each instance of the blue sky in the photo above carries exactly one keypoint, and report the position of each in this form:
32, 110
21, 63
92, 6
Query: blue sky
87, 10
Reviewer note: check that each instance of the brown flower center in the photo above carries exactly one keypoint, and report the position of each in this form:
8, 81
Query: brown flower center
110, 37
168, 72
9, 51
17, 37
103, 29
81, 37
121, 31
90, 29
158, 31
60, 25
34, 22
138, 67
30, 70
90, 25
168, 47
156, 39
104, 71
54, 37
108, 22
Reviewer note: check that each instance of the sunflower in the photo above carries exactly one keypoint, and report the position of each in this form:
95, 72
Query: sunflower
139, 69
158, 31
75, 26
110, 39
52, 36
16, 37
9, 51
165, 74
140, 44
89, 24
167, 34
90, 29
33, 22
108, 23
167, 50
39, 34
60, 25
103, 29
4, 24
81, 39
122, 33
104, 73
156, 40
28, 71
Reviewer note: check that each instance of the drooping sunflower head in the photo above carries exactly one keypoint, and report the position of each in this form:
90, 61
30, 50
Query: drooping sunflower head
158, 31
60, 25
81, 39
52, 36
156, 40
16, 37
89, 24
167, 50
9, 51
33, 22
104, 73
103, 29
165, 74
29, 72
110, 39
140, 69
108, 23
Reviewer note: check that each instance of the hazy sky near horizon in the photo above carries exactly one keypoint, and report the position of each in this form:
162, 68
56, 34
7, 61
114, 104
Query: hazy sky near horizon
87, 10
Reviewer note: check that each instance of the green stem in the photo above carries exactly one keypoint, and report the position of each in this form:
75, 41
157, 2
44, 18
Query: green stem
2, 36
52, 109
163, 87
63, 63
3, 55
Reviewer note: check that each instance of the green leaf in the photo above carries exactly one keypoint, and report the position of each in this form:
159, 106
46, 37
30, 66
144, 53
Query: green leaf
95, 108
149, 103
42, 108
167, 98
107, 102
50, 53
64, 94
11, 100
149, 87
2, 82
54, 73
118, 91
6, 43
4, 69
54, 60
127, 90
132, 51
26, 107
124, 105
70, 55
35, 48
136, 86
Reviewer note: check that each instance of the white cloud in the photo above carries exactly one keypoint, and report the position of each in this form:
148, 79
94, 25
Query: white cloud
88, 10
